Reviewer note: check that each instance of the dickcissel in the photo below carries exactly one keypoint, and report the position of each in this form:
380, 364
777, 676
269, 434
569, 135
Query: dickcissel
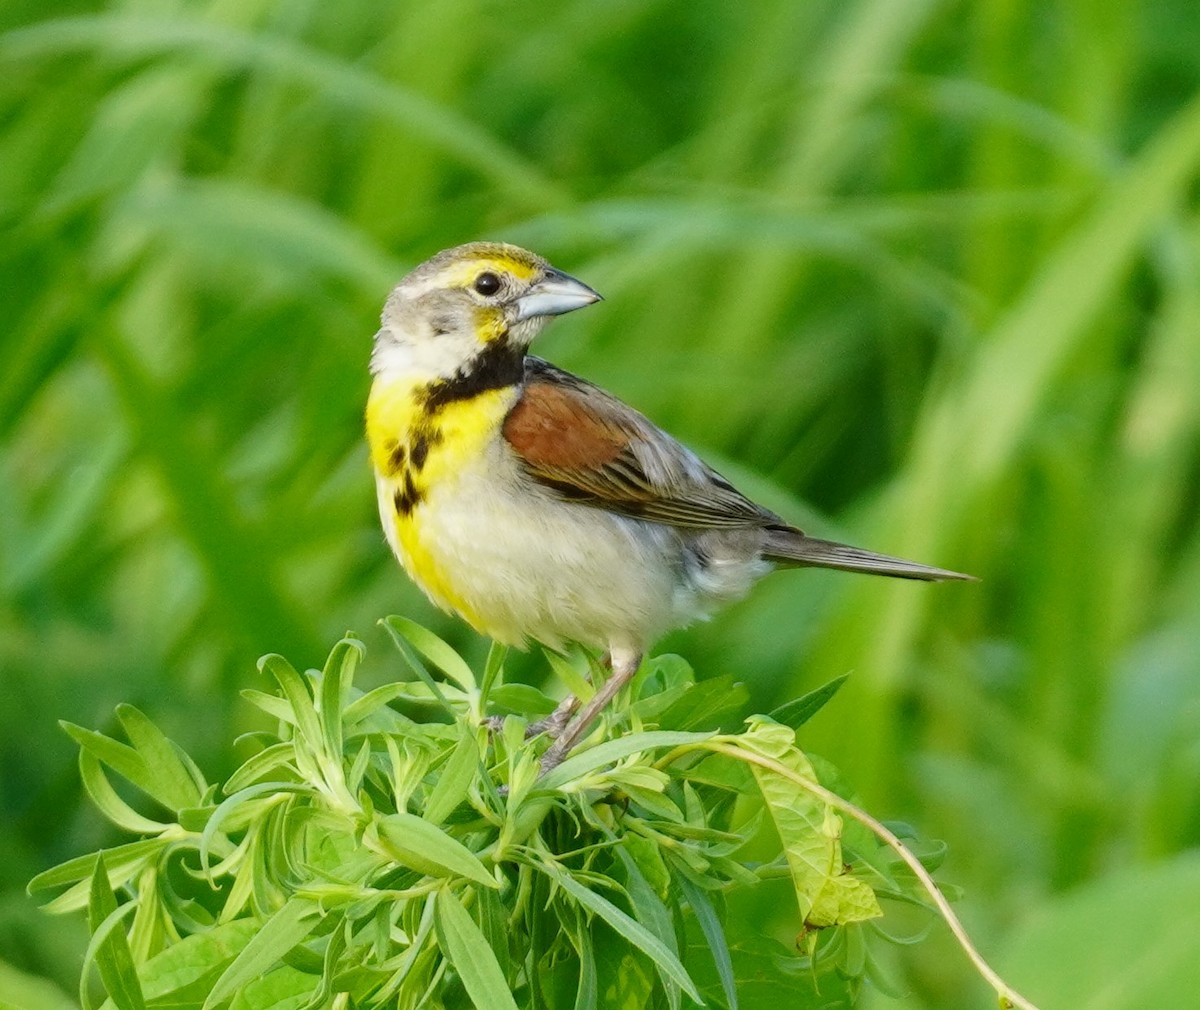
537, 506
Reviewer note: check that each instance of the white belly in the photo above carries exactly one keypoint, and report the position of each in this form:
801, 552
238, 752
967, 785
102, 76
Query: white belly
517, 563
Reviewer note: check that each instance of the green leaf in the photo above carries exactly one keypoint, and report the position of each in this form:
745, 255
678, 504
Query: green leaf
336, 680
576, 683
587, 993
705, 705
366, 705
173, 782
455, 778
109, 949
272, 704
121, 758
633, 931
299, 696
810, 832
121, 861
254, 767
714, 936
522, 699
797, 712
412, 841
209, 834
493, 670
194, 957
414, 663
108, 802
434, 649
289, 926
611, 751
649, 910
467, 949
402, 966
282, 988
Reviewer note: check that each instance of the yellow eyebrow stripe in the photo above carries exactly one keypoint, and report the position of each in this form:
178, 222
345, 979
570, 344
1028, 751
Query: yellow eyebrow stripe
464, 274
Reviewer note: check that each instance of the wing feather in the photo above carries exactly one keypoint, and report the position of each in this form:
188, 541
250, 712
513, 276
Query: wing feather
589, 447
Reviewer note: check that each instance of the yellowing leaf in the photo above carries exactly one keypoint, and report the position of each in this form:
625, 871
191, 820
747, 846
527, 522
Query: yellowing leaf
809, 831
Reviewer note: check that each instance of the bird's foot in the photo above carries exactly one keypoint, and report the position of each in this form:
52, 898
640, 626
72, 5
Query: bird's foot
556, 721
624, 666
553, 724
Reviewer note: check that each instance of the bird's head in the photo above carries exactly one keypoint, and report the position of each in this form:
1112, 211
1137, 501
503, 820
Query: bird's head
475, 300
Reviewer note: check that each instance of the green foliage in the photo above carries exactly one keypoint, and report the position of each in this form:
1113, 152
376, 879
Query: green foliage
360, 854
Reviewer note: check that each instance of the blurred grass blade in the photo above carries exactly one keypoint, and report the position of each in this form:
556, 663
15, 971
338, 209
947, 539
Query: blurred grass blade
331, 80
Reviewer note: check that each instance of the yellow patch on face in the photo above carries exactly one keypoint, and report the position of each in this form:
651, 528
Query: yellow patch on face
416, 452
490, 323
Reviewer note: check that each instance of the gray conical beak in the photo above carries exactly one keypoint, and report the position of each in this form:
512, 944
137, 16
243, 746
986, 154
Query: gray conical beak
553, 295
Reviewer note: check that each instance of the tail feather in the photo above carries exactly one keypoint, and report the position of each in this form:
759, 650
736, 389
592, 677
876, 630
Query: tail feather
791, 547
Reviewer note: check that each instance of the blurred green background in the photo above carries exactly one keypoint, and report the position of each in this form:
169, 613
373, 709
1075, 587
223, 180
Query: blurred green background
918, 273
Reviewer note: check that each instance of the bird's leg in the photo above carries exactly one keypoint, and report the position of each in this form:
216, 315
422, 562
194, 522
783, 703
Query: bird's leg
557, 720
625, 664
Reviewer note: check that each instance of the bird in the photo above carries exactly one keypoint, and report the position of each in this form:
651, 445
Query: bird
537, 506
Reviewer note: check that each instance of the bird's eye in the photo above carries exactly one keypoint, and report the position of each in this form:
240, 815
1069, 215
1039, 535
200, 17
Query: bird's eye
487, 283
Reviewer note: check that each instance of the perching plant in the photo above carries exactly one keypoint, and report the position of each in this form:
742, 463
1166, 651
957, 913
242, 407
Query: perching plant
415, 855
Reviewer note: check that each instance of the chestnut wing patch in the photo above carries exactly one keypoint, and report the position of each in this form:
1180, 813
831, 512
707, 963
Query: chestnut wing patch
590, 448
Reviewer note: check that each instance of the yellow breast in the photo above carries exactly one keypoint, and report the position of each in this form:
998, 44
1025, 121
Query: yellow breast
419, 453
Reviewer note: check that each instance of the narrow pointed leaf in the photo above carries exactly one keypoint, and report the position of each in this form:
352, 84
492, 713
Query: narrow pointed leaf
435, 650
797, 712
612, 751
121, 758
299, 696
714, 936
291, 925
172, 779
118, 860
412, 841
455, 779
625, 925
467, 949
109, 947
336, 679
108, 802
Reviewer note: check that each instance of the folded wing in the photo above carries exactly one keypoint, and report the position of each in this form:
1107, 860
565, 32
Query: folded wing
587, 446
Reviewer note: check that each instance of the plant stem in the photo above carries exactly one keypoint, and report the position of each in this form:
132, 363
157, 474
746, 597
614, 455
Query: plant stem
1009, 998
